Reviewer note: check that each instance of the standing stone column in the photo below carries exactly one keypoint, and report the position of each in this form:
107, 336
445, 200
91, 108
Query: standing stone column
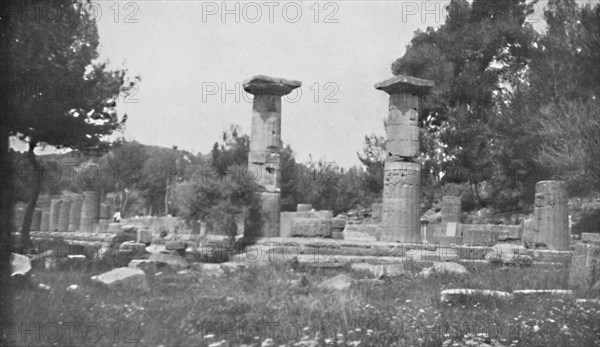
551, 215
45, 222
90, 211
451, 209
63, 215
36, 220
54, 214
75, 212
265, 144
402, 175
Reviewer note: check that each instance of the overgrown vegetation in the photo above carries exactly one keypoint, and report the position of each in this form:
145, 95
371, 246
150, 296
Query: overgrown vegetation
264, 302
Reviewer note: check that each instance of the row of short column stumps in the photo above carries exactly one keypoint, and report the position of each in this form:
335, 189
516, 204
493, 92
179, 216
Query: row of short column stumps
71, 212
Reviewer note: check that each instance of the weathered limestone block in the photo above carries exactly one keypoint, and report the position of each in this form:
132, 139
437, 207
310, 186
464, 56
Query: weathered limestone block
311, 227
361, 232
450, 268
551, 213
381, 270
174, 261
585, 266
54, 214
175, 246
123, 277
478, 234
542, 292
548, 255
144, 236
143, 264
453, 294
304, 207
451, 209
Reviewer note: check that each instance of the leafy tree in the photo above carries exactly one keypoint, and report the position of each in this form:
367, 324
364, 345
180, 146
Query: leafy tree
59, 94
373, 158
480, 45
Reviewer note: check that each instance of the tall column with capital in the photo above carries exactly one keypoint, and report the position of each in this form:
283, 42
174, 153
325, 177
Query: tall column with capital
400, 217
265, 144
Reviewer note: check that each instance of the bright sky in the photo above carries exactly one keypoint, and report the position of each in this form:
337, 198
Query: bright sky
188, 53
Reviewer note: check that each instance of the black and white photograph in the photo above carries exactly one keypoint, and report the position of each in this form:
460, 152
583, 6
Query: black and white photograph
311, 173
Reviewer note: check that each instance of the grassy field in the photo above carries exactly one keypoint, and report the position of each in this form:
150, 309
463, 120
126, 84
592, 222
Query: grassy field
270, 306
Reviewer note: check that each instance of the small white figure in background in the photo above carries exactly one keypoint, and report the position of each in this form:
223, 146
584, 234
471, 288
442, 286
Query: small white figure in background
117, 217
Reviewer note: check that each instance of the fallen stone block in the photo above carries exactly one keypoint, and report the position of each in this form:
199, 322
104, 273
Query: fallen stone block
361, 232
584, 270
590, 237
144, 236
209, 269
143, 264
178, 246
450, 268
304, 207
548, 255
542, 292
123, 277
478, 234
174, 261
452, 294
311, 227
339, 283
381, 270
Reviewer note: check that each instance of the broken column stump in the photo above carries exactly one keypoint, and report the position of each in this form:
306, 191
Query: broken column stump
63, 215
75, 212
400, 217
90, 211
551, 215
451, 210
54, 214
265, 144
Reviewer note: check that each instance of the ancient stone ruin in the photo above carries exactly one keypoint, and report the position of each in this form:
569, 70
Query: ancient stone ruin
265, 143
400, 218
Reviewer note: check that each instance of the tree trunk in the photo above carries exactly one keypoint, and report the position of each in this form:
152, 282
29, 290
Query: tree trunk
36, 187
6, 227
